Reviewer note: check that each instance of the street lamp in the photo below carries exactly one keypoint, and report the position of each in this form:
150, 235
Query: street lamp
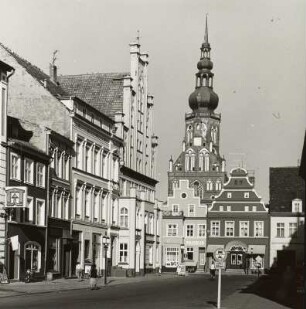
106, 242
182, 252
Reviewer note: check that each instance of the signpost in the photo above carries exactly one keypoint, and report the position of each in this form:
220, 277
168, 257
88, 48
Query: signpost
220, 256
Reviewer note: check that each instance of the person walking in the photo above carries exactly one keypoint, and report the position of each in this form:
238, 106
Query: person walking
212, 269
79, 271
93, 277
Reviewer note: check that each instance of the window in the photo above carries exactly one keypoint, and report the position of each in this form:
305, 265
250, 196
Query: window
175, 208
229, 228
87, 159
297, 205
244, 228
40, 212
28, 170
29, 210
40, 175
191, 212
209, 185
189, 230
172, 257
32, 256
87, 204
218, 185
124, 219
78, 202
254, 208
293, 229
246, 195
229, 208
221, 208
202, 230
246, 208
189, 254
96, 207
123, 253
172, 230
78, 154
258, 228
280, 229
15, 166
229, 195
215, 228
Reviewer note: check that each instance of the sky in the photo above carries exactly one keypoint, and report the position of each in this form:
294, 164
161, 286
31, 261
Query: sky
258, 50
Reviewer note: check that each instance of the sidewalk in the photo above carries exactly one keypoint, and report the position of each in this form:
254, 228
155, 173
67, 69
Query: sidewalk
21, 288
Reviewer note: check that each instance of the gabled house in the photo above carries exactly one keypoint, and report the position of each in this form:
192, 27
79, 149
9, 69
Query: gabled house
238, 222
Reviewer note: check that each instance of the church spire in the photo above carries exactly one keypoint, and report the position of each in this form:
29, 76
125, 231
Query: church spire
206, 32
204, 98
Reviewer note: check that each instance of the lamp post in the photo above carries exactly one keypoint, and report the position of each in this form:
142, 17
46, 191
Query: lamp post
182, 252
106, 242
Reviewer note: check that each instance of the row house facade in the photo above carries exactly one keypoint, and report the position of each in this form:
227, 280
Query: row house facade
125, 98
287, 216
5, 72
82, 202
184, 229
238, 222
27, 167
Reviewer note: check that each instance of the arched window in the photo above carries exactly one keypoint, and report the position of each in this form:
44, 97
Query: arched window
209, 185
218, 185
32, 255
198, 189
124, 218
206, 164
189, 134
190, 161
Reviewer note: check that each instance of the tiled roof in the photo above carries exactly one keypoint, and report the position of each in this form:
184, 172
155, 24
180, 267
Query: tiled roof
285, 185
103, 91
36, 73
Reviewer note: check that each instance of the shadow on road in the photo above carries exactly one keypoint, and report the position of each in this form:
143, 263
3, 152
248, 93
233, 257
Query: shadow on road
214, 303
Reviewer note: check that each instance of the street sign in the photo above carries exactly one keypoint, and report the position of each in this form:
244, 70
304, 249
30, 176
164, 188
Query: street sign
220, 265
220, 255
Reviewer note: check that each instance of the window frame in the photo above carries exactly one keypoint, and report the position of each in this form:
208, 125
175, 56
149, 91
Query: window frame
226, 227
38, 165
201, 230
217, 228
174, 229
123, 253
43, 209
25, 171
241, 227
280, 230
190, 230
18, 165
262, 229
191, 214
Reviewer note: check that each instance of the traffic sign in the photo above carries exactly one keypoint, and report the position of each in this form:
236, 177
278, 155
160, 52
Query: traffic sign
220, 265
220, 255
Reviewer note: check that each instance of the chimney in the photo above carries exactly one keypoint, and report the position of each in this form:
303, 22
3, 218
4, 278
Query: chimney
53, 73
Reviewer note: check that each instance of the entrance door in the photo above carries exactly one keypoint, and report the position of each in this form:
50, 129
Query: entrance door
201, 258
236, 260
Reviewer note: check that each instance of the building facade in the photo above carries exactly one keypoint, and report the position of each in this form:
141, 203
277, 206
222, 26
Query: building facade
27, 167
238, 222
287, 215
5, 70
199, 166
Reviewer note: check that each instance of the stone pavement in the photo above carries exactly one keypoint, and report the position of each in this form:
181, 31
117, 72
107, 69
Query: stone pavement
237, 300
21, 288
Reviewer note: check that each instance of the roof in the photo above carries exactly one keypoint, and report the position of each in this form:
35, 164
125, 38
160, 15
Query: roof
36, 73
285, 186
103, 91
5, 66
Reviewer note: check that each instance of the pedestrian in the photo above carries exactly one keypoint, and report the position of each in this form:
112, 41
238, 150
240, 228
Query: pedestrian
79, 271
212, 270
93, 277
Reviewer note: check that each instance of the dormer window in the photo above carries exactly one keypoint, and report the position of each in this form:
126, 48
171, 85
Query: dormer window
296, 205
246, 195
229, 195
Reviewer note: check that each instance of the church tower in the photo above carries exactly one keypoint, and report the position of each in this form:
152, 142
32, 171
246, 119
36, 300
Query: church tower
200, 162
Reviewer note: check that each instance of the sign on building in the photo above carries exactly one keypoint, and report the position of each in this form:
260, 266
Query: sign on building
16, 197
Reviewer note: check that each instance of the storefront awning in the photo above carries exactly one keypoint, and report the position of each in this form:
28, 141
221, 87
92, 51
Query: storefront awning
213, 248
257, 249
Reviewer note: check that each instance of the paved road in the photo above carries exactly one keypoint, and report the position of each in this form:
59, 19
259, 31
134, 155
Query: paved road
195, 291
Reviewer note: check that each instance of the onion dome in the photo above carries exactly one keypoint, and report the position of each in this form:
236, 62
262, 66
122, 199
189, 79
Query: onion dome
203, 96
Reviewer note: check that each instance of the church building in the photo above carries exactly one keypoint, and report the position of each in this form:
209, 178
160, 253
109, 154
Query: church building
196, 176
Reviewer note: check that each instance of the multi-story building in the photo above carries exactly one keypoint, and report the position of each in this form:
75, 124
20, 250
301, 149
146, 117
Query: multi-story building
27, 167
5, 70
125, 98
85, 157
287, 211
199, 166
238, 222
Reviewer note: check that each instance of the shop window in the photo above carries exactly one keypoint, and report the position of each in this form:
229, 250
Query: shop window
32, 256
189, 254
172, 257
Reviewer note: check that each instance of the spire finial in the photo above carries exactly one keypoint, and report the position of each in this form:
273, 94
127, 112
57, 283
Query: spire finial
138, 37
206, 32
